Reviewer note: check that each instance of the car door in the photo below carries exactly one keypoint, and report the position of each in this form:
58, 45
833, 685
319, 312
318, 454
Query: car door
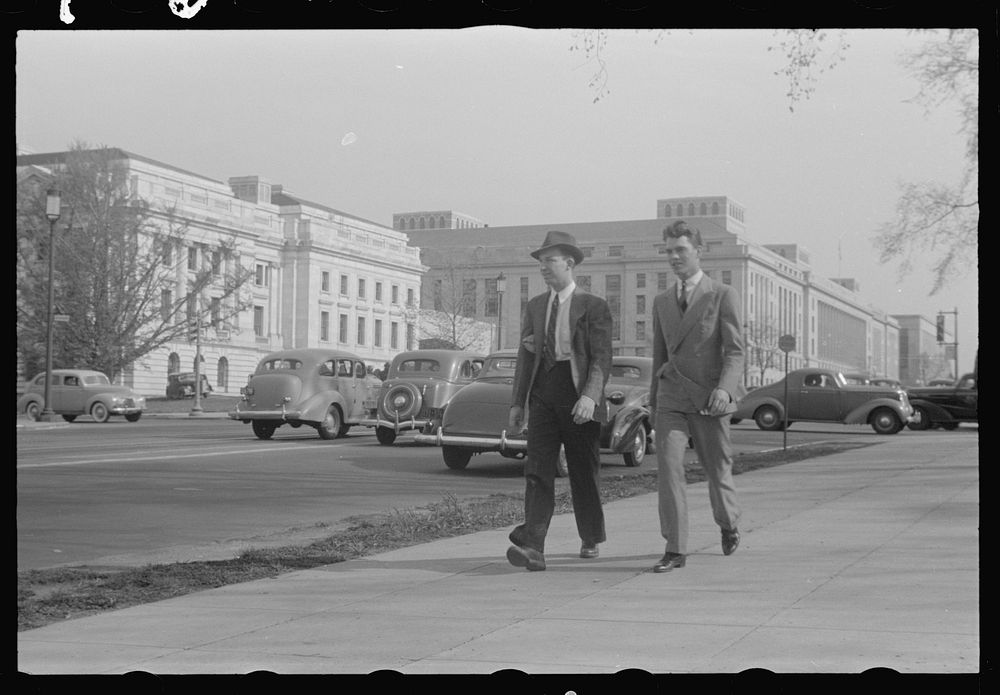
819, 398
56, 392
966, 405
347, 384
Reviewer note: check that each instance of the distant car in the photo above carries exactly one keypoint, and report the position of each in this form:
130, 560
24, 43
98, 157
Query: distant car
475, 420
823, 395
76, 392
885, 381
181, 385
941, 382
946, 407
417, 387
329, 390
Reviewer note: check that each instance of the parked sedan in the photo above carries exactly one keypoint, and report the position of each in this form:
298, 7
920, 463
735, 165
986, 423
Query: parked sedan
823, 395
946, 407
328, 390
77, 392
475, 421
417, 387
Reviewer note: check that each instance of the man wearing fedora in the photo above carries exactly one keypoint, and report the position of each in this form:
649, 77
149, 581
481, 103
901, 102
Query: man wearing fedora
697, 378
563, 363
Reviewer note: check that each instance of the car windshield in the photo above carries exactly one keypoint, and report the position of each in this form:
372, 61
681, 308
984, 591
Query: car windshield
421, 366
626, 372
96, 379
499, 367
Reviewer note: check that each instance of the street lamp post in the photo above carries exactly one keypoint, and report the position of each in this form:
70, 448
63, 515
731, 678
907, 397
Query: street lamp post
501, 288
52, 203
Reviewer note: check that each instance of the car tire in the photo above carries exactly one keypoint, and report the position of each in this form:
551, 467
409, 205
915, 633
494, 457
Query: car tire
33, 410
100, 412
133, 417
344, 429
885, 421
69, 418
410, 405
329, 428
637, 454
922, 419
768, 419
385, 436
263, 429
456, 457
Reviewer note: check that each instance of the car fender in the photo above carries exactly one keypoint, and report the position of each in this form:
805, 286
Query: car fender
859, 416
746, 410
314, 409
937, 413
624, 427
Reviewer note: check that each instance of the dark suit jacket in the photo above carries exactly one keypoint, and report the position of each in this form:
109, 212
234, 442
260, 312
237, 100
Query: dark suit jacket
590, 335
698, 351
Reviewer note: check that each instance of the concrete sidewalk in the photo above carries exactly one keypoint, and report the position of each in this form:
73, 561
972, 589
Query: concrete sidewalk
864, 559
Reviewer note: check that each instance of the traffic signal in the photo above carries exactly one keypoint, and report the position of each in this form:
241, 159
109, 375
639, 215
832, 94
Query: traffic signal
940, 328
192, 333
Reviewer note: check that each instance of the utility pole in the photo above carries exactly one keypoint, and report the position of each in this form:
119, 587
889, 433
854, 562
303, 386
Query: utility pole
941, 336
196, 408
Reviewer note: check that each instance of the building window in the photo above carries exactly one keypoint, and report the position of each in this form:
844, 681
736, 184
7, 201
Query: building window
377, 337
703, 209
727, 277
324, 326
222, 374
640, 304
394, 335
215, 311
343, 285
492, 298
166, 304
661, 281
216, 262
167, 258
361, 330
325, 281
469, 297
361, 288
343, 328
258, 321
438, 298
378, 291
262, 275
613, 295
640, 330
395, 293
192, 258
667, 211
715, 207
409, 297
410, 337
680, 209
616, 250
691, 209
524, 295
588, 251
640, 280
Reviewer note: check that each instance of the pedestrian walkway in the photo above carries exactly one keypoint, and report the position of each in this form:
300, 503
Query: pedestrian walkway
861, 560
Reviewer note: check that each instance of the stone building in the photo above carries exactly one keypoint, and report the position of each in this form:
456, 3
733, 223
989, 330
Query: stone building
321, 277
485, 272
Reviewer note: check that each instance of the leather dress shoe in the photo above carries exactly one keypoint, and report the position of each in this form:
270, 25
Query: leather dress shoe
670, 561
520, 556
588, 552
730, 541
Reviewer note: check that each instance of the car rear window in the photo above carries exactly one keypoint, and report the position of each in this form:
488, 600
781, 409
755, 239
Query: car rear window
420, 366
272, 365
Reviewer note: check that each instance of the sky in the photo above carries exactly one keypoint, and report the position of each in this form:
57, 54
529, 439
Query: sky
501, 123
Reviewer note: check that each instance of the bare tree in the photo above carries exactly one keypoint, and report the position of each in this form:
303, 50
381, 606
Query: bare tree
929, 215
761, 347
117, 262
450, 303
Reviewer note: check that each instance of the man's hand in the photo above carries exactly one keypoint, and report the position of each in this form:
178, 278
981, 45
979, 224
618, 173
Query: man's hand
717, 402
583, 410
515, 420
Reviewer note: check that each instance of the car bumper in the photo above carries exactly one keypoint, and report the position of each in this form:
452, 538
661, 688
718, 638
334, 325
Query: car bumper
411, 424
501, 443
124, 410
283, 414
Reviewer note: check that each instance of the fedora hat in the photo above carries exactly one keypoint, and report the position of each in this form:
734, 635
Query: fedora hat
564, 240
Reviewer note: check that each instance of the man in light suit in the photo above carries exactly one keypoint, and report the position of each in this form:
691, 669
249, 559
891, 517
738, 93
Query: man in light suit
563, 363
697, 379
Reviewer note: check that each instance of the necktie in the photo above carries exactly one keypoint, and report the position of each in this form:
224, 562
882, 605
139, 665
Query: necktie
549, 350
684, 299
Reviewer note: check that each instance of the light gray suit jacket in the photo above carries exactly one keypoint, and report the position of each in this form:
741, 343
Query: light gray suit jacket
697, 351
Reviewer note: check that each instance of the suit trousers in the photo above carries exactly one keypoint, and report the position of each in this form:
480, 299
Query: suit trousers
710, 435
550, 425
